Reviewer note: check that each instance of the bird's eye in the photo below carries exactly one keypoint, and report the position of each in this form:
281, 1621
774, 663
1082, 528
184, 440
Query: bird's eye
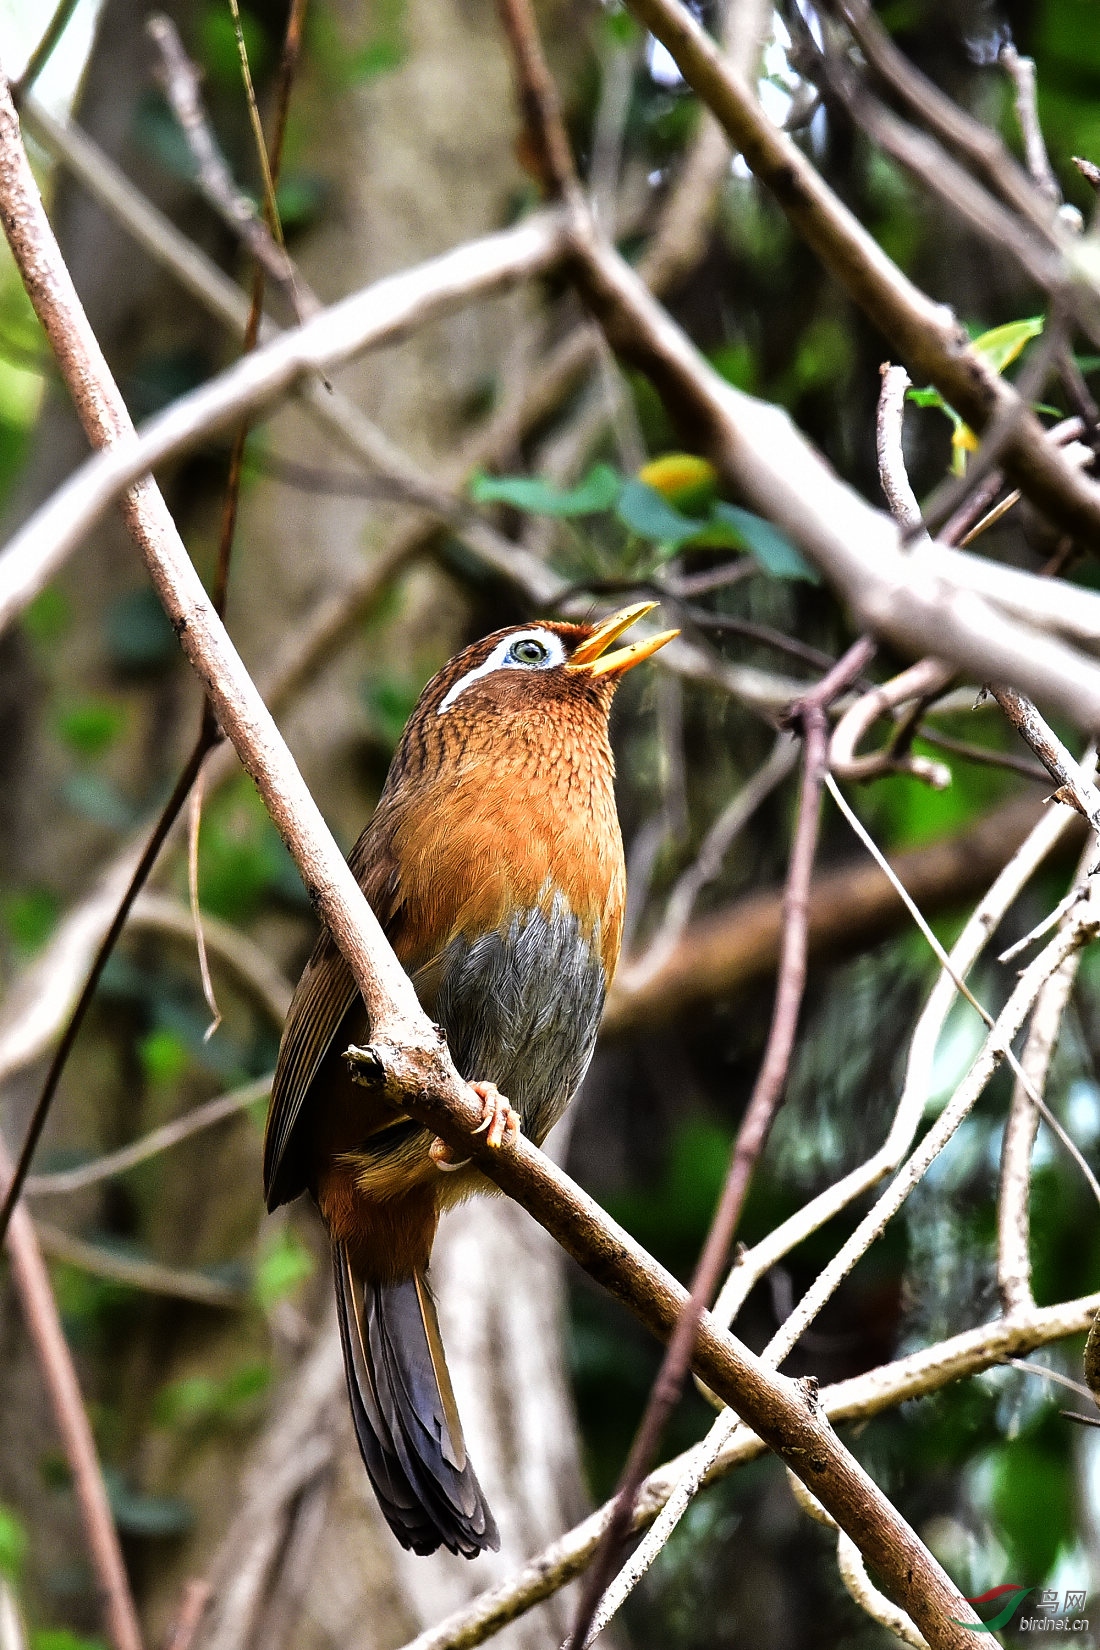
528, 651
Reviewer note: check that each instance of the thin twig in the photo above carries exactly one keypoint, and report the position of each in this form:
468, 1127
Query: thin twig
1074, 787
133, 1272
982, 147
921, 682
180, 82
194, 825
192, 1606
1084, 926
208, 736
1021, 72
809, 717
44, 1325
892, 470
539, 102
923, 334
43, 51
63, 1181
1021, 1127
854, 1400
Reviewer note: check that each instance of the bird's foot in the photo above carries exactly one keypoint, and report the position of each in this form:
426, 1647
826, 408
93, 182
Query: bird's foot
497, 1115
443, 1157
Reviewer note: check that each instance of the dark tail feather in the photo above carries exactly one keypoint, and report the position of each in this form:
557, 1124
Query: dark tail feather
405, 1416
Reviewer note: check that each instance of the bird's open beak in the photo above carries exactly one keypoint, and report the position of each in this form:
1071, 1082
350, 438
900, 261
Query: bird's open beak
590, 656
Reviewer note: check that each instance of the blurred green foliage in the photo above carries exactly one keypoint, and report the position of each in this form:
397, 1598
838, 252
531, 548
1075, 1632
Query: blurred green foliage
283, 1265
13, 1544
199, 1402
243, 860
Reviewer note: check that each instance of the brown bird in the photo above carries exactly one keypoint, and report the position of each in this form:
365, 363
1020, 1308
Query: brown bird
494, 863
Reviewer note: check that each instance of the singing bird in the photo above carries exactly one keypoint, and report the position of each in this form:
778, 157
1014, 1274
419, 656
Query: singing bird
494, 863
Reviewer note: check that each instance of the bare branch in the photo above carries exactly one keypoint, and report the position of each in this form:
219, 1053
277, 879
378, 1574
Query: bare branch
849, 908
888, 438
809, 717
981, 147
858, 1399
358, 323
136, 1273
179, 81
1021, 1127
43, 51
1074, 787
926, 336
920, 681
192, 1605
925, 602
44, 1325
64, 1181
1021, 72
406, 1058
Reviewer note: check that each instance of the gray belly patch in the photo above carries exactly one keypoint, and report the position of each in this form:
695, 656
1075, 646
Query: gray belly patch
521, 1009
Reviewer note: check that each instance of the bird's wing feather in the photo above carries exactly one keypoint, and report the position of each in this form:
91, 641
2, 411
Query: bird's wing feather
324, 995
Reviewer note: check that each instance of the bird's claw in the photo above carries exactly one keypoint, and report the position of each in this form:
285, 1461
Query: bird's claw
497, 1116
443, 1157
499, 1123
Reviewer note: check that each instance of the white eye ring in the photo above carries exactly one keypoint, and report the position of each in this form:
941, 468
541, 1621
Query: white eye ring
502, 658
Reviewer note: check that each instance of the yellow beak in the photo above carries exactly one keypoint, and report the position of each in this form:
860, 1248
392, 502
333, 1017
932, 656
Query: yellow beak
590, 656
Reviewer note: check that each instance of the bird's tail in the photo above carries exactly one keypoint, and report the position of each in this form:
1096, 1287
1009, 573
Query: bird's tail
406, 1420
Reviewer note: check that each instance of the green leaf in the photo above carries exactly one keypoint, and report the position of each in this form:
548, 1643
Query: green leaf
284, 1264
13, 1544
29, 917
1002, 345
652, 517
598, 491
928, 397
90, 726
60, 1638
48, 617
771, 548
200, 1399
164, 1057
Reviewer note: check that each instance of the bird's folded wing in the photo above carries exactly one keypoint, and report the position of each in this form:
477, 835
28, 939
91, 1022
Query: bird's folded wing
324, 995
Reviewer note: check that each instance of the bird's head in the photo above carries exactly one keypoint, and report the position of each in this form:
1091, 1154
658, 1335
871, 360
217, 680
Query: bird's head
541, 680
540, 663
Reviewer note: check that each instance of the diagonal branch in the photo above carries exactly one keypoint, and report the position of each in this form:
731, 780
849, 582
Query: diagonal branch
407, 1056
32, 1284
925, 334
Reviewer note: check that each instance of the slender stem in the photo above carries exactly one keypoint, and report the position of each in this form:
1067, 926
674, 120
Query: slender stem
208, 736
42, 53
44, 1324
107, 944
810, 716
